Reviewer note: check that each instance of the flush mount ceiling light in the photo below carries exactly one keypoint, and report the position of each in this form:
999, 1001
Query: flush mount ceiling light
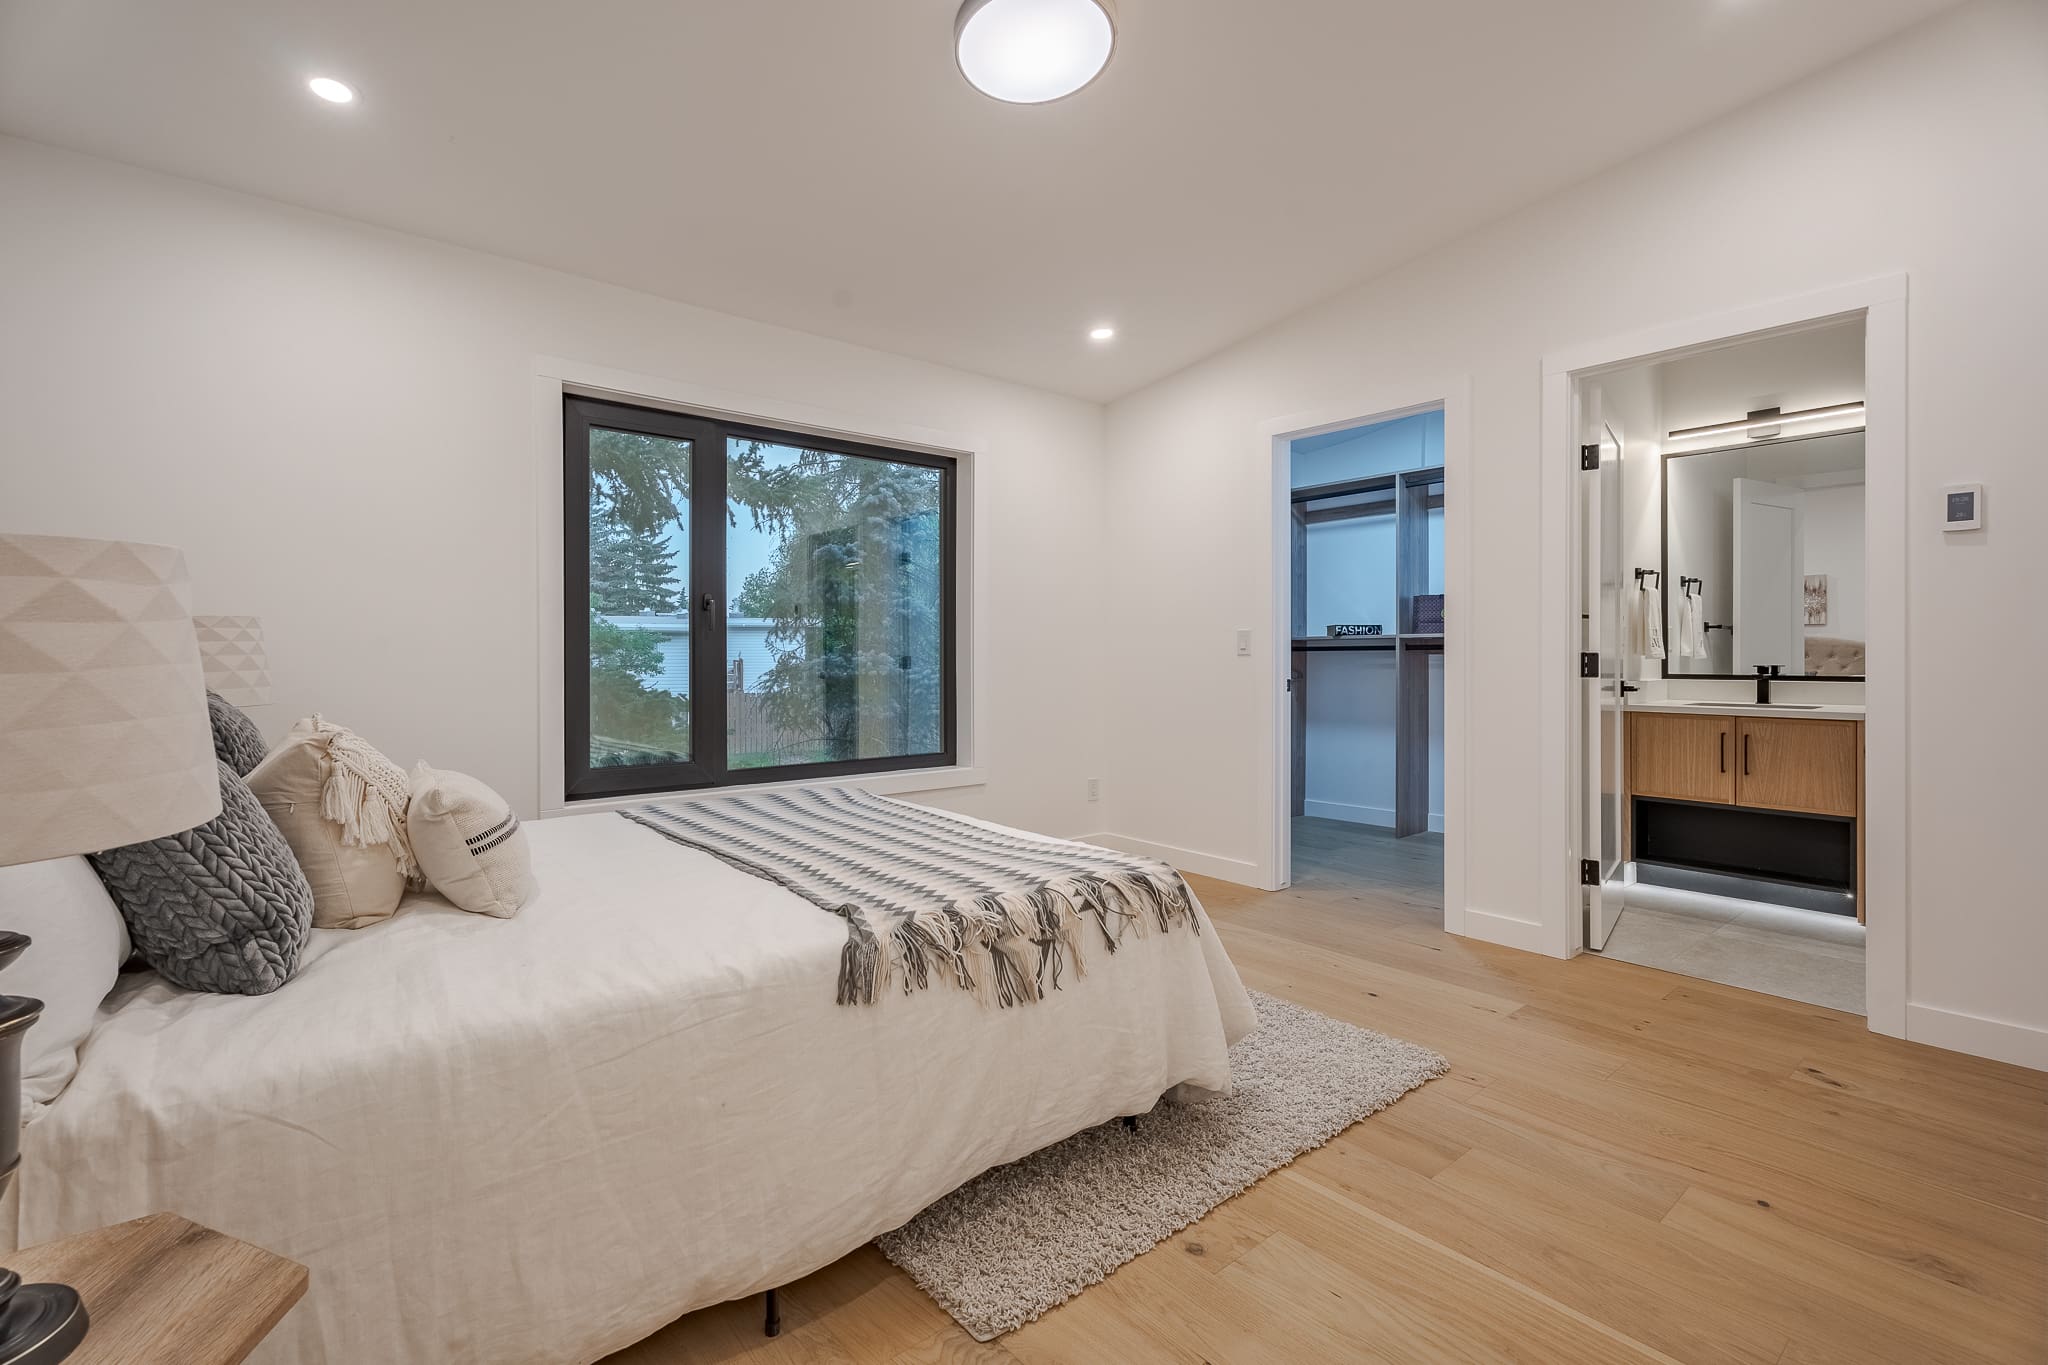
1033, 51
1101, 333
331, 90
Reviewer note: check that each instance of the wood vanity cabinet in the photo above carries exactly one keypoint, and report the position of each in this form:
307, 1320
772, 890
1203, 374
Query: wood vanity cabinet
1682, 758
1802, 765
1771, 762
1798, 765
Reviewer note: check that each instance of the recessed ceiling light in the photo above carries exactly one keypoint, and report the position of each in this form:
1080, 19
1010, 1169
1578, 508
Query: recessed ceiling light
1033, 51
1101, 333
331, 90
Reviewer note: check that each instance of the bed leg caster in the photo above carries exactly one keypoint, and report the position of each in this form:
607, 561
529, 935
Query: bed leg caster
1130, 1123
771, 1317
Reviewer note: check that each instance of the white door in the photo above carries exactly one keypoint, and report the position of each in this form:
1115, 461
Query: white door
1770, 576
1603, 600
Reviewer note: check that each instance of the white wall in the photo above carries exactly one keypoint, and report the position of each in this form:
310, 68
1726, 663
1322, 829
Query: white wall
1834, 546
1351, 574
1702, 526
1814, 368
1412, 442
337, 424
1349, 740
1912, 144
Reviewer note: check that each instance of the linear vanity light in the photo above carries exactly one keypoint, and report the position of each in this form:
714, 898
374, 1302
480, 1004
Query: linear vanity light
1758, 421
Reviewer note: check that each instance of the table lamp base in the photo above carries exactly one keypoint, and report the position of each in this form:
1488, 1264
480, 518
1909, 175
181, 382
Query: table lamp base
40, 1324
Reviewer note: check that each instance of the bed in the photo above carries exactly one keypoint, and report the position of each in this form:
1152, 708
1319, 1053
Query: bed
535, 1141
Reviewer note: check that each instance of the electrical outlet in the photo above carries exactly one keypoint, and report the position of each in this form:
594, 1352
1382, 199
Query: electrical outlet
1094, 789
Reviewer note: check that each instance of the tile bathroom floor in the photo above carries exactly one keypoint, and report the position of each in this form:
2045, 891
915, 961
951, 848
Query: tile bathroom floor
1800, 955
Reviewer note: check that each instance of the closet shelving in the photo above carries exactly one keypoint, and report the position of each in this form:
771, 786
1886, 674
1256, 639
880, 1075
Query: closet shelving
1408, 496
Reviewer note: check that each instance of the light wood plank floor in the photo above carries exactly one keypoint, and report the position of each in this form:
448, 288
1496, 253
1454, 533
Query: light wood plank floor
1622, 1166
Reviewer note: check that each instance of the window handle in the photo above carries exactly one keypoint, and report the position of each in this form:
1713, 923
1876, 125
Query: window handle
708, 602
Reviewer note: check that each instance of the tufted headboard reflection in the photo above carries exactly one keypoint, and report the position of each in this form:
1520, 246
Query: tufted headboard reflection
1829, 657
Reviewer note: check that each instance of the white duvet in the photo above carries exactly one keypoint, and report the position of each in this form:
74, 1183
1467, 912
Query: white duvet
534, 1141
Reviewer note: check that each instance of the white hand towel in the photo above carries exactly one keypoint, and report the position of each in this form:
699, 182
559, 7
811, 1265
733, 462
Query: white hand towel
1697, 625
1682, 646
1649, 625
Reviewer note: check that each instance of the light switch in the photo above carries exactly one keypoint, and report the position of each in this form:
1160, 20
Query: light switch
1244, 644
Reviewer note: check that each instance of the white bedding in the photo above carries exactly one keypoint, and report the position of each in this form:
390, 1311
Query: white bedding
534, 1141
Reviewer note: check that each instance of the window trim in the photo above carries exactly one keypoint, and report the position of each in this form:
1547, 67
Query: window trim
707, 768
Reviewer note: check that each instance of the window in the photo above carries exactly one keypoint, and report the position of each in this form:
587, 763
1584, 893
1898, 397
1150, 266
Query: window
747, 605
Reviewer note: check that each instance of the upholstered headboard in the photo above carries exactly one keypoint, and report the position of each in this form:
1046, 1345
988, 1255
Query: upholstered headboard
1833, 658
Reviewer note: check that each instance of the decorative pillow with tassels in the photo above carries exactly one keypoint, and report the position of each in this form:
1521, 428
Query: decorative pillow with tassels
341, 805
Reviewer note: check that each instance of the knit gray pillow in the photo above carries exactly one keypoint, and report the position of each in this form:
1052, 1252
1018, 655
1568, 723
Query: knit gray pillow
236, 740
220, 908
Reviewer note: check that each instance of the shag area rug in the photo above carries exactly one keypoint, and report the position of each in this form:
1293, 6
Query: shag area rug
1022, 1238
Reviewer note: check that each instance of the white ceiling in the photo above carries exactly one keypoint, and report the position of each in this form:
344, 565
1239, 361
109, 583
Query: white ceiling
821, 164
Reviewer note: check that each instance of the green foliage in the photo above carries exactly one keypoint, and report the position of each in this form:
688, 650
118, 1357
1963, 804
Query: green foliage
642, 482
631, 722
630, 573
854, 596
640, 485
757, 598
631, 654
852, 591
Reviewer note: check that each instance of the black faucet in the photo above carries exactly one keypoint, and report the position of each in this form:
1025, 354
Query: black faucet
1764, 674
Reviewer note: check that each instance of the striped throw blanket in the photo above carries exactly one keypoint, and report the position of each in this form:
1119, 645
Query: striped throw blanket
929, 896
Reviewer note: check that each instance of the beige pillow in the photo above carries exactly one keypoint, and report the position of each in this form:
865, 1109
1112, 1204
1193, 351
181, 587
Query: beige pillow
469, 843
341, 805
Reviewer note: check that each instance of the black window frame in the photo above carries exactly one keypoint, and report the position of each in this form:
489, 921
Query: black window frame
707, 766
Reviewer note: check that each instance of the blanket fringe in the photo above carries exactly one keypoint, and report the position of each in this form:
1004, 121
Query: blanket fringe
862, 968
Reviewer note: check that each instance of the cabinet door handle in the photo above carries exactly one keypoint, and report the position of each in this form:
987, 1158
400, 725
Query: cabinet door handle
1724, 751
1745, 755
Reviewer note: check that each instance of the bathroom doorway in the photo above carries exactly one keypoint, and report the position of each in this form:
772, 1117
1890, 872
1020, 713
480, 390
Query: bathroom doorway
1733, 597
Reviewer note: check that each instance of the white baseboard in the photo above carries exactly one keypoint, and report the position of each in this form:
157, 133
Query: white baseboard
1352, 813
1507, 930
1999, 1039
1237, 870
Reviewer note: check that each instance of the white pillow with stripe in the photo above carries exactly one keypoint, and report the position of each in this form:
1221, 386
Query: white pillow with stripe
469, 843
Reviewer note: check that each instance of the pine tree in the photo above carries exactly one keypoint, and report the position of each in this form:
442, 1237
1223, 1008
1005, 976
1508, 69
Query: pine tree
629, 573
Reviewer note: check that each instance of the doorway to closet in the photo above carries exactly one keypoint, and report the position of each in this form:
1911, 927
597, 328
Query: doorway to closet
1366, 681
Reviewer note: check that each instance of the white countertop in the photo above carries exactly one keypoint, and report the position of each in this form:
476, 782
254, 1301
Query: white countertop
1826, 711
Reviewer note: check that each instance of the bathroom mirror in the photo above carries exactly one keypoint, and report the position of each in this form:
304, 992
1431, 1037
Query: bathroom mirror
1766, 540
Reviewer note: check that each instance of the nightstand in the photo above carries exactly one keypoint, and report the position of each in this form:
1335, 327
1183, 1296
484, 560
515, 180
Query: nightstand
164, 1289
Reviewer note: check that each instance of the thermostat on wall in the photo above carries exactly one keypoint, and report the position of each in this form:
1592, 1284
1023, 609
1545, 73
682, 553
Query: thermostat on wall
1962, 507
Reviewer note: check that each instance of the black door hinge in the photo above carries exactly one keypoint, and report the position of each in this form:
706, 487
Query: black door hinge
1589, 872
1589, 665
1589, 457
